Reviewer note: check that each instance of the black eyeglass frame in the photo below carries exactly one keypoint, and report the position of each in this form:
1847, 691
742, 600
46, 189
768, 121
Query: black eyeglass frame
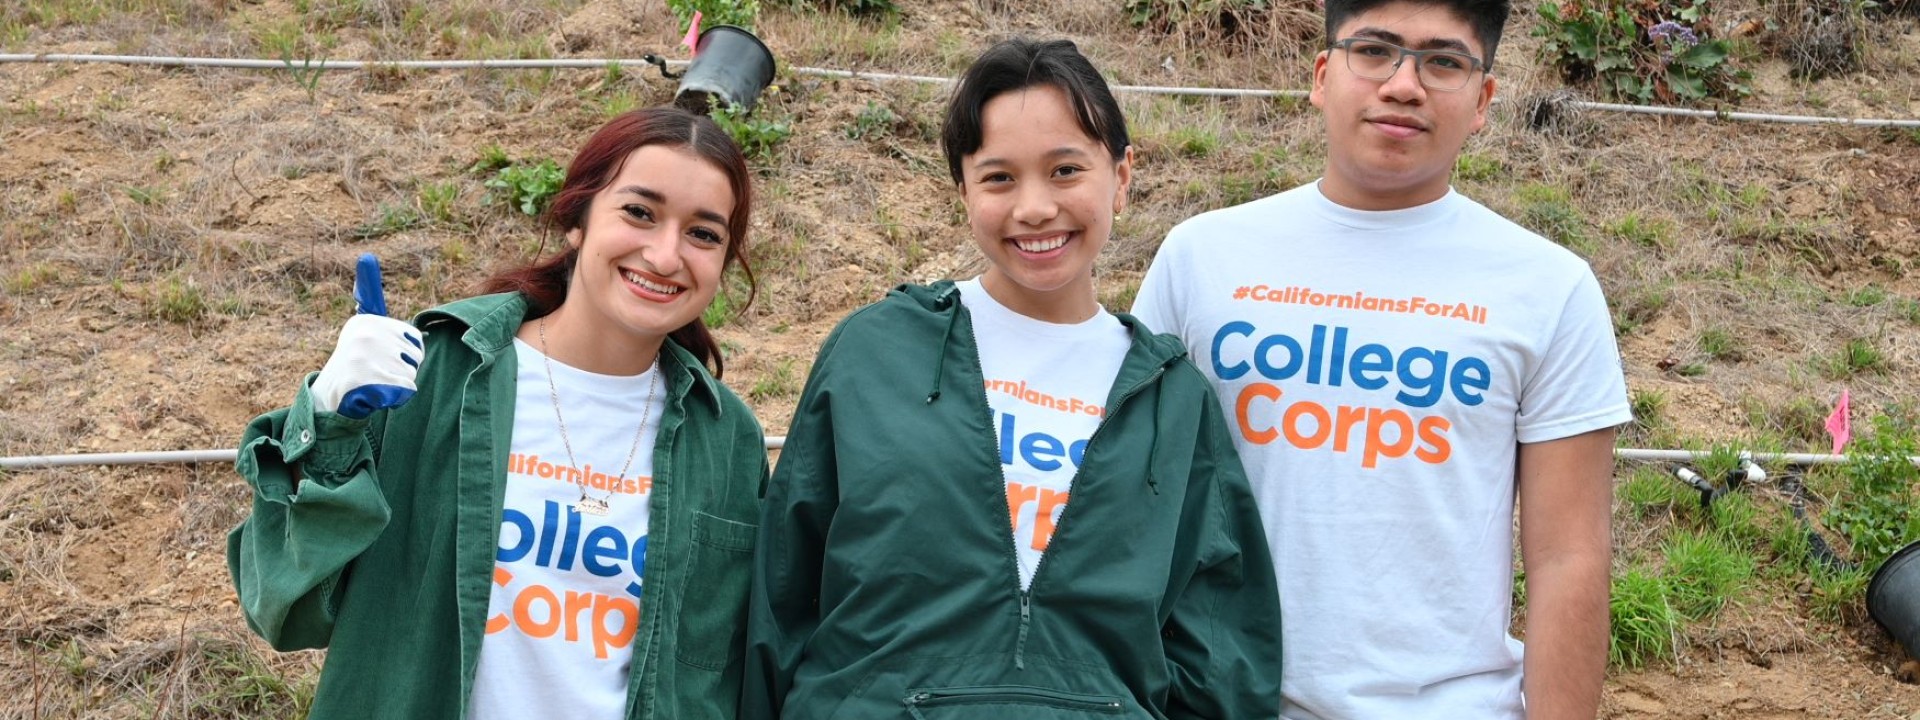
1419, 60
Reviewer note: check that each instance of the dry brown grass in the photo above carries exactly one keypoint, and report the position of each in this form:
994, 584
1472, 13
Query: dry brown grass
132, 191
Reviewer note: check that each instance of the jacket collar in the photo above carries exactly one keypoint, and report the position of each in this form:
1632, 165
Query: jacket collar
492, 320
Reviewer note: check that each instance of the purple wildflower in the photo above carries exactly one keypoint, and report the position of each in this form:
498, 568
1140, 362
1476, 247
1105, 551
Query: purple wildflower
1675, 33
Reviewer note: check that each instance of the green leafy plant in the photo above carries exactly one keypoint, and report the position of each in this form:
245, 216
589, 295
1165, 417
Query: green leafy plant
179, 301
1648, 232
874, 120
527, 186
14, 34
1876, 512
757, 137
1908, 308
492, 157
1645, 625
389, 220
1721, 344
1800, 420
1638, 307
617, 102
1193, 142
1837, 595
733, 289
1649, 408
1641, 51
1750, 528
306, 69
31, 278
145, 195
1866, 296
1703, 571
1477, 167
1858, 356
1549, 210
1650, 488
718, 313
779, 383
883, 8
437, 201
716, 12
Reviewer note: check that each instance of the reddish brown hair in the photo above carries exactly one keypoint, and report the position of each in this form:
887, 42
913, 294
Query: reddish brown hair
544, 282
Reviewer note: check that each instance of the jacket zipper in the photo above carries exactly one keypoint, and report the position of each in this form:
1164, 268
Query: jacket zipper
1012, 693
1013, 555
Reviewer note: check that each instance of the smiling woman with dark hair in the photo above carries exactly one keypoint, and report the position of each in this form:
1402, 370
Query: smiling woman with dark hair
537, 502
998, 499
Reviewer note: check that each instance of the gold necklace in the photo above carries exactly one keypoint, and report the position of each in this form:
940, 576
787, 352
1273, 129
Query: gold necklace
592, 505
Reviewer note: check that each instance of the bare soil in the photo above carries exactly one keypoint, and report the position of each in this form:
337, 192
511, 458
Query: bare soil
176, 251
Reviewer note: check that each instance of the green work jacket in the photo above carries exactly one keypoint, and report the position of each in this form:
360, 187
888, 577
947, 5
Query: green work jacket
377, 538
887, 585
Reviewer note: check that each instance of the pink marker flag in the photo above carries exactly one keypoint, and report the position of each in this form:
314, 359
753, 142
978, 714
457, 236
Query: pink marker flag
692, 40
1839, 425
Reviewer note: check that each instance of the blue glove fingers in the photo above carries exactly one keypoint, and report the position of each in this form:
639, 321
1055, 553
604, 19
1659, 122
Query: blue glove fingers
369, 297
360, 402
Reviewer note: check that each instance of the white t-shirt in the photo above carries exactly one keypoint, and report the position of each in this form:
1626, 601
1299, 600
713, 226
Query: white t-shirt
1378, 369
1047, 386
566, 595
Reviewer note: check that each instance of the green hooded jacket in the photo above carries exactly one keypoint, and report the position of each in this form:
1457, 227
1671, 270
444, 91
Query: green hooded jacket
886, 581
377, 538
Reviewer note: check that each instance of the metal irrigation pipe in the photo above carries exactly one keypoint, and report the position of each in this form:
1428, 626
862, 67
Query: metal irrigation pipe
1743, 116
120, 458
171, 456
322, 64
1646, 455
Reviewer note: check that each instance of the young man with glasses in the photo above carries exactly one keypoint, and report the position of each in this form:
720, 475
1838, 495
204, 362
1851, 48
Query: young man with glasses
1400, 363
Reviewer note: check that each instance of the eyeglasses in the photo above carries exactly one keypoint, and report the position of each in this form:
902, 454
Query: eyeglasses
1443, 70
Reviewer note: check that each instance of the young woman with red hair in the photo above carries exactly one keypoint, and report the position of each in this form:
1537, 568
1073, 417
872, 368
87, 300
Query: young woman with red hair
537, 502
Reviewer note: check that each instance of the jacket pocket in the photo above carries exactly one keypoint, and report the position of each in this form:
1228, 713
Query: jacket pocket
713, 606
998, 701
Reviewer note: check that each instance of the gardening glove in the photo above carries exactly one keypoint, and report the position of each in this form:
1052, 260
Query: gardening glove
374, 363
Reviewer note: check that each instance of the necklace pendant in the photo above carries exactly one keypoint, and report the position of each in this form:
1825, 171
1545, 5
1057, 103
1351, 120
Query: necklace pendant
591, 506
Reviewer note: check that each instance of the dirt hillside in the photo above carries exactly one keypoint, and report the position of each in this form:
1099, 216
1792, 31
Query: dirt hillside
176, 250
